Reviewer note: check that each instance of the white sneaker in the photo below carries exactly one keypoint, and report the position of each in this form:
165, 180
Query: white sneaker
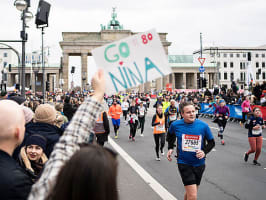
162, 153
141, 135
158, 159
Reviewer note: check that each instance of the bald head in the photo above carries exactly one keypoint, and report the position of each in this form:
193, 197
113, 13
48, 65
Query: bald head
11, 122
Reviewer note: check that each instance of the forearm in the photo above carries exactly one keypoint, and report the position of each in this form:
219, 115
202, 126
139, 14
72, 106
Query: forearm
210, 144
76, 133
171, 138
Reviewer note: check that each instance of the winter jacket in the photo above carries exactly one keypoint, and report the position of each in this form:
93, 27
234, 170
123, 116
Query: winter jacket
14, 183
51, 132
69, 111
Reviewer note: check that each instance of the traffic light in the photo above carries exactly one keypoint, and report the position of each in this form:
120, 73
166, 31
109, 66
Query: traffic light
47, 86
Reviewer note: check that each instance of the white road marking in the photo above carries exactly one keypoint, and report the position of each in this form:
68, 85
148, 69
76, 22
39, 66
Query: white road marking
155, 185
264, 138
214, 149
214, 128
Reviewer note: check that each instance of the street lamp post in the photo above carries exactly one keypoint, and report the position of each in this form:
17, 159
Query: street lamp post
35, 69
23, 6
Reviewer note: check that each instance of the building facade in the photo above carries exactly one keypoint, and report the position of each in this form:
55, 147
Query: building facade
10, 69
231, 63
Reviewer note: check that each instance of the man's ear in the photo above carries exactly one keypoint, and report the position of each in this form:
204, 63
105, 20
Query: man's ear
17, 133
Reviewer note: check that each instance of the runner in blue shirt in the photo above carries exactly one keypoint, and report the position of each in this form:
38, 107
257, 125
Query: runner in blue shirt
194, 141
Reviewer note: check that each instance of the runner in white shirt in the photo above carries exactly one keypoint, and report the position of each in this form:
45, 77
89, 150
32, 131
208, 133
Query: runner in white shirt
125, 106
141, 116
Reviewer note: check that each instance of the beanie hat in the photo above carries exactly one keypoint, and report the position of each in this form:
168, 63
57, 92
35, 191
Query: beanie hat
45, 113
20, 100
36, 140
28, 114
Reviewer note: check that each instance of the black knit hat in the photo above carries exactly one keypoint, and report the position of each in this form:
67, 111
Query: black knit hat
36, 140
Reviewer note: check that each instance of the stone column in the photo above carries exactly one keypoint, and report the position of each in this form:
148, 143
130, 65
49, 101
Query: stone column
51, 81
184, 80
9, 80
65, 71
33, 82
195, 81
57, 80
172, 80
207, 79
84, 69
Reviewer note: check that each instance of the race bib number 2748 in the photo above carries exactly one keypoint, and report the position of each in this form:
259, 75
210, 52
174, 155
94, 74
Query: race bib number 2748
191, 143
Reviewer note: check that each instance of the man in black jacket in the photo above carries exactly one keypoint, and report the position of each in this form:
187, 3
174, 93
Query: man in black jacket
68, 109
14, 183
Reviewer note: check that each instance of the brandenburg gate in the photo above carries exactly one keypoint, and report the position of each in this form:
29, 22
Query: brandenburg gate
82, 44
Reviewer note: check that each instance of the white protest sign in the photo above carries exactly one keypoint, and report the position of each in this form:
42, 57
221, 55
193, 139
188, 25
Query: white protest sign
132, 61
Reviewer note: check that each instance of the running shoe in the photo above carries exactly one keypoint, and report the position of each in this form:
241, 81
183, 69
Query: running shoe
158, 159
241, 124
162, 152
222, 142
133, 139
246, 157
130, 137
141, 135
116, 137
256, 163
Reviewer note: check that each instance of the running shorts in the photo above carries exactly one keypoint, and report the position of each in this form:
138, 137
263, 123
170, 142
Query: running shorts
191, 175
116, 122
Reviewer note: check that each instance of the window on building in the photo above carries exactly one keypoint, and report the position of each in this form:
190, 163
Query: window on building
244, 55
241, 65
225, 55
218, 54
257, 55
225, 64
232, 76
257, 64
225, 75
263, 75
5, 64
237, 55
263, 64
225, 86
5, 54
244, 65
219, 75
263, 55
231, 64
231, 55
241, 76
257, 76
218, 64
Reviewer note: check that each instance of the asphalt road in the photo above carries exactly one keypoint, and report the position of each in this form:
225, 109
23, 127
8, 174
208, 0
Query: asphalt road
227, 176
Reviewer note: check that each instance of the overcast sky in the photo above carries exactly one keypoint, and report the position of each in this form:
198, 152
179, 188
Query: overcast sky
222, 22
